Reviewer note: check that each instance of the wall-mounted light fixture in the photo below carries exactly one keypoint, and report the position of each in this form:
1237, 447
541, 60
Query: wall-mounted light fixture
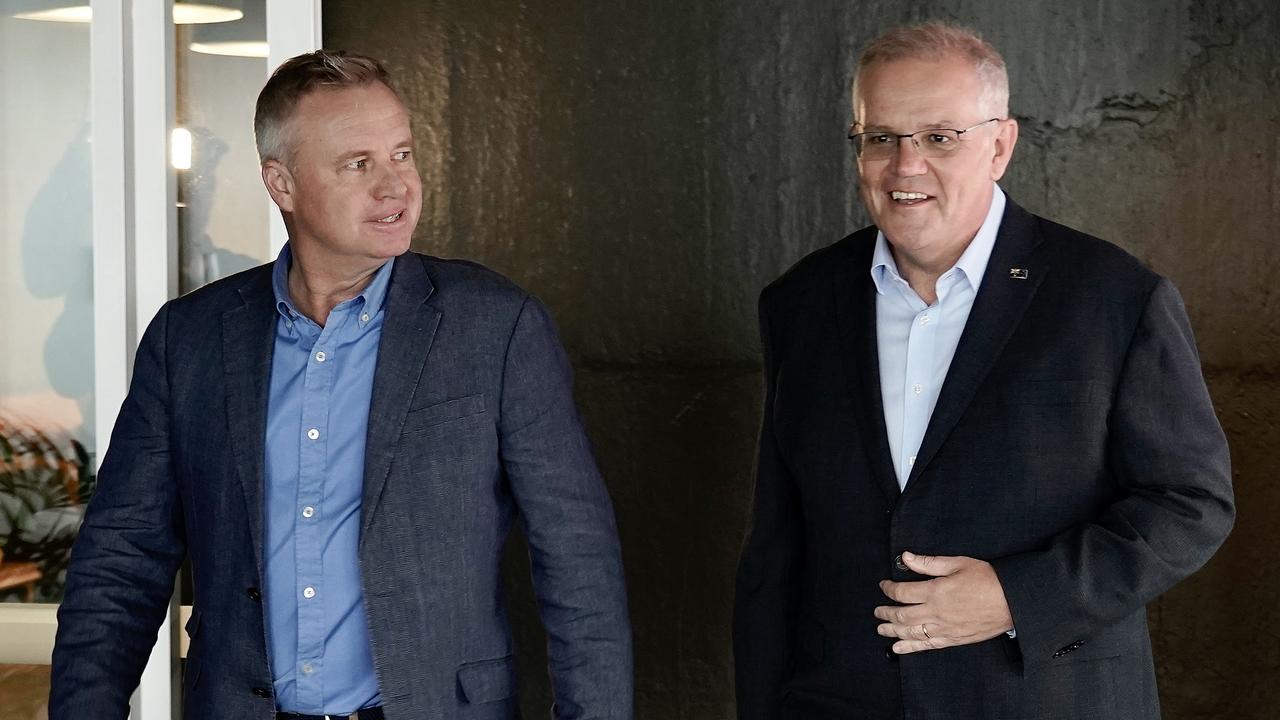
184, 13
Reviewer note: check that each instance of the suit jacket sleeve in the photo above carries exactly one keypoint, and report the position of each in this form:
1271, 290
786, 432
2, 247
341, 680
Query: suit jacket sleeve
573, 542
125, 559
1168, 454
769, 571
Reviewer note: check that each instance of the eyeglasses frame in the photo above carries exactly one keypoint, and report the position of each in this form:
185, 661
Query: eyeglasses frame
853, 136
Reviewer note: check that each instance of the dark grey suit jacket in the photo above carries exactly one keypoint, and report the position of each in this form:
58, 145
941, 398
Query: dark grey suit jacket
472, 421
1074, 446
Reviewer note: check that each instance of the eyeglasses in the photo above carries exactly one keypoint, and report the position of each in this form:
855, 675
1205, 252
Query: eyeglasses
933, 142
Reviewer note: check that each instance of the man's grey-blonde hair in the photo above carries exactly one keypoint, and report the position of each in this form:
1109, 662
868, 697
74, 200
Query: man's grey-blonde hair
298, 76
939, 41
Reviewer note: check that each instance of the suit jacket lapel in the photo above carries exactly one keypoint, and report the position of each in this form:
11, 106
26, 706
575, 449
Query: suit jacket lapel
408, 330
248, 338
855, 303
998, 308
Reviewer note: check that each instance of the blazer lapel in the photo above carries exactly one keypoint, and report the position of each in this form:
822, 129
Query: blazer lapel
855, 303
408, 330
1010, 282
247, 340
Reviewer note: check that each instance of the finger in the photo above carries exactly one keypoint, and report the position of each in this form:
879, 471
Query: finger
912, 593
905, 631
934, 565
906, 647
900, 614
915, 631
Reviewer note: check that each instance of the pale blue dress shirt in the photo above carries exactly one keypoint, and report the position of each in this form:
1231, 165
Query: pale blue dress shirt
917, 341
317, 417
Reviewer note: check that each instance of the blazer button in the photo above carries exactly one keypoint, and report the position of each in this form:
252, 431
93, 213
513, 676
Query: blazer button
897, 563
254, 594
262, 692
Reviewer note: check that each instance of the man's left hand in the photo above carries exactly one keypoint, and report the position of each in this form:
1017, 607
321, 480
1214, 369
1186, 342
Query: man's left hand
963, 603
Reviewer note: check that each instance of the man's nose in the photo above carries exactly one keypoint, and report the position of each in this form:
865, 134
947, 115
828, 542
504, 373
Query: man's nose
389, 183
908, 161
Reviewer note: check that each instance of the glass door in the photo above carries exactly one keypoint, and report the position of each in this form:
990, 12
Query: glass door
130, 176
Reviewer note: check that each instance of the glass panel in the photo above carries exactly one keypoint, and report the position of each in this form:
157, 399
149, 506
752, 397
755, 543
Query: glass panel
222, 206
47, 441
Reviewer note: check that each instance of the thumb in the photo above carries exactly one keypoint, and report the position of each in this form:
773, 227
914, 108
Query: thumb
932, 565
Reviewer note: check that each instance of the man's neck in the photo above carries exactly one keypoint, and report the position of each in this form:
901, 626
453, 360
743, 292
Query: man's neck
316, 287
922, 272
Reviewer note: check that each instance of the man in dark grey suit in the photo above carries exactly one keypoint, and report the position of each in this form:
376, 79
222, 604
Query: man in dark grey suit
986, 441
340, 442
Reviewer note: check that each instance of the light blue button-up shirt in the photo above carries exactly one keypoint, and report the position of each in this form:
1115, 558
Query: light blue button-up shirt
317, 416
917, 341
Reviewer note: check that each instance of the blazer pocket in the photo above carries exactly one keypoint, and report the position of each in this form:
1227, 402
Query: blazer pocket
1052, 392
488, 680
444, 412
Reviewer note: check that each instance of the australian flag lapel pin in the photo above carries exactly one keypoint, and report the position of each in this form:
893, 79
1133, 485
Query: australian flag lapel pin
1018, 273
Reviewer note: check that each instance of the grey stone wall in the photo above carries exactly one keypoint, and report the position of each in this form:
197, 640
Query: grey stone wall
646, 167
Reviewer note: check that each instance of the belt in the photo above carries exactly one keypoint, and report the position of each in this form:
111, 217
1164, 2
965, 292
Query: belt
366, 714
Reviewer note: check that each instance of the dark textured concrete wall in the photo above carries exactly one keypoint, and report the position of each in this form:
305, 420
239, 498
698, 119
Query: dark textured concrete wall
646, 167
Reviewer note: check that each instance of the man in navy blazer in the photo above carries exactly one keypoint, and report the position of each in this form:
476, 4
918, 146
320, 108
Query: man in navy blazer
340, 443
986, 443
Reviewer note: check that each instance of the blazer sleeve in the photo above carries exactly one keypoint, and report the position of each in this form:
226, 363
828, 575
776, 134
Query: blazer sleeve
1169, 457
575, 554
126, 556
769, 571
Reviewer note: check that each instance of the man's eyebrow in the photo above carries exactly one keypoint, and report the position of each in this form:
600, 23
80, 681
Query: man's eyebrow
875, 127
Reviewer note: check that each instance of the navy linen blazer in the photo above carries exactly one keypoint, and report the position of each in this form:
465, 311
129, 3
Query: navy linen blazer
1073, 446
472, 421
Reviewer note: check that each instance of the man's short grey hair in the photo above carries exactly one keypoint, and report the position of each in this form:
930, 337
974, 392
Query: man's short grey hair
298, 76
940, 41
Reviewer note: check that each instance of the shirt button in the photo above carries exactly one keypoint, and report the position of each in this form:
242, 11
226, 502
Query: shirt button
925, 320
314, 434
917, 389
306, 668
308, 511
308, 592
320, 356
364, 317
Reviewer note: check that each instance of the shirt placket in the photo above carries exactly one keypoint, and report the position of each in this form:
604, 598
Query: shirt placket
918, 381
309, 520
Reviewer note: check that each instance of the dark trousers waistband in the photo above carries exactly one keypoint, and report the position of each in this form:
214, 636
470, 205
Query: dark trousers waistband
369, 714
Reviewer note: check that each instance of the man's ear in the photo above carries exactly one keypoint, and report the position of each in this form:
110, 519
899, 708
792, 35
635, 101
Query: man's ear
1006, 138
279, 182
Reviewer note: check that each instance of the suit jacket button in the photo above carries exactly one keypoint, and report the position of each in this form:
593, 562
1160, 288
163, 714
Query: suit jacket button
899, 564
262, 692
254, 594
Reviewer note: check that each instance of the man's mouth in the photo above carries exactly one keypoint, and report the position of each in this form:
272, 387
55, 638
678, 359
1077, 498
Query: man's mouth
908, 198
391, 218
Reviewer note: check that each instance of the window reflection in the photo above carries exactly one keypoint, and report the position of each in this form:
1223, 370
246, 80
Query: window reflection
222, 214
47, 442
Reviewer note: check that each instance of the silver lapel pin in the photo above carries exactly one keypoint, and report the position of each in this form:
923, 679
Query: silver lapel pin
1018, 273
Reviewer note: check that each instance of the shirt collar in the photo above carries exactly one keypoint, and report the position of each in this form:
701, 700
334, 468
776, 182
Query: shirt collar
972, 262
374, 295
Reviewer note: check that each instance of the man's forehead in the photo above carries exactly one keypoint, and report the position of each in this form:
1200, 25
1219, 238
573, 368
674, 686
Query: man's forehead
350, 117
921, 93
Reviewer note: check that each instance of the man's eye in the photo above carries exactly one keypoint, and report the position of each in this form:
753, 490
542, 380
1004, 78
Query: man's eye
937, 139
402, 155
879, 139
357, 164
